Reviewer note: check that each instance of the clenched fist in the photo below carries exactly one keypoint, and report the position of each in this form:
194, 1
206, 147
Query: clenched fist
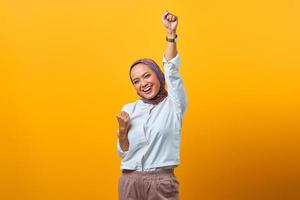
170, 21
124, 123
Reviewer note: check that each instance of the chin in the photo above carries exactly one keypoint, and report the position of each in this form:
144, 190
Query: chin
147, 97
151, 96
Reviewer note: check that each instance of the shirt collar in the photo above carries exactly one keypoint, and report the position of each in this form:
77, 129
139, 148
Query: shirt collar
143, 105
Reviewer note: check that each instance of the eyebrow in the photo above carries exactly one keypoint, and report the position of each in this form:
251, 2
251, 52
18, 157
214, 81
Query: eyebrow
142, 75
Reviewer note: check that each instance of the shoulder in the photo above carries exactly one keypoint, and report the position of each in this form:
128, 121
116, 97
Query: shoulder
129, 107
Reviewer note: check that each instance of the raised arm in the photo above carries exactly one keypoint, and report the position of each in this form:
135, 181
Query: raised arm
171, 63
170, 22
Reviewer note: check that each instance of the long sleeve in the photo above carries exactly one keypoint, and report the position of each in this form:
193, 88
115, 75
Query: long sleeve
174, 81
121, 153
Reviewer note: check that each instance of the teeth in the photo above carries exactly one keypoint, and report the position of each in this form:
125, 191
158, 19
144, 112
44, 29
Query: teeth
147, 89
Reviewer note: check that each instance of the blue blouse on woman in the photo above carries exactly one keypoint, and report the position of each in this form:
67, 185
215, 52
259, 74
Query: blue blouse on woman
155, 132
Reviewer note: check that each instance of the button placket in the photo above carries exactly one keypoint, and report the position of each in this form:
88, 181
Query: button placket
147, 121
145, 129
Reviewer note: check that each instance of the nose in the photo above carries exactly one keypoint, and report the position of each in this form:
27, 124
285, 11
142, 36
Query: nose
143, 83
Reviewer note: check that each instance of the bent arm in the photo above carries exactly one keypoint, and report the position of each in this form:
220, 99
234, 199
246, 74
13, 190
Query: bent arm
122, 146
124, 143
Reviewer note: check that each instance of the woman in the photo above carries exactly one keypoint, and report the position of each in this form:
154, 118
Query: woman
149, 133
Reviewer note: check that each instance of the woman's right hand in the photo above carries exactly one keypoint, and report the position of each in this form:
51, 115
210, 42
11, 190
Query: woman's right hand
124, 123
170, 22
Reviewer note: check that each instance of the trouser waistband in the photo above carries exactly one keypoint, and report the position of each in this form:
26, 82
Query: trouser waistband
157, 171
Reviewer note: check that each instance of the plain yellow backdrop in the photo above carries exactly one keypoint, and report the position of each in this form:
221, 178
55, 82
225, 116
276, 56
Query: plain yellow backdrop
64, 76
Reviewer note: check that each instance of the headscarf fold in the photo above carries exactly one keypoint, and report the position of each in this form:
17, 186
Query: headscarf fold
160, 75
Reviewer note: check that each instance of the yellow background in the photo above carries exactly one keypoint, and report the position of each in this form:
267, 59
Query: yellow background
64, 76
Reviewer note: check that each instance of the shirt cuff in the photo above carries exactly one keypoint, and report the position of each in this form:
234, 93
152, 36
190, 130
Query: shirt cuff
175, 60
122, 153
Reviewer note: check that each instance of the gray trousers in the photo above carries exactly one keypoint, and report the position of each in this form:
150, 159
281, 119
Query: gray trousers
148, 185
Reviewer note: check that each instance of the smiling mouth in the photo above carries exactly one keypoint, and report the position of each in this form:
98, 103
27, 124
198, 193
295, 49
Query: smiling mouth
147, 90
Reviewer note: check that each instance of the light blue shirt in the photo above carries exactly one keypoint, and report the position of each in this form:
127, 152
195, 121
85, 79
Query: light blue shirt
155, 132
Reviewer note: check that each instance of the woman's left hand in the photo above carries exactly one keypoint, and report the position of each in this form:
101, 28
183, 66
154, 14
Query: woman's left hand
170, 22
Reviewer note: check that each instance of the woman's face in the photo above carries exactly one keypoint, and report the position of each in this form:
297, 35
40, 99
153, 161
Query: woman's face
145, 81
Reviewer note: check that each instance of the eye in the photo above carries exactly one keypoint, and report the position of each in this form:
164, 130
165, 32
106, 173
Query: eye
135, 82
147, 75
